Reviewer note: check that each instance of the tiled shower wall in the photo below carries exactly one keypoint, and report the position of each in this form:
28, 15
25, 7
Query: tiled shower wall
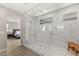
48, 42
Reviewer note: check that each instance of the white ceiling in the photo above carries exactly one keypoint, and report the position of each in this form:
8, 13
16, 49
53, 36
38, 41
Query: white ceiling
19, 7
45, 7
33, 8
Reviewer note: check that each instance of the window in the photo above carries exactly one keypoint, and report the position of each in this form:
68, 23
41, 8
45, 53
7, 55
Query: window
70, 16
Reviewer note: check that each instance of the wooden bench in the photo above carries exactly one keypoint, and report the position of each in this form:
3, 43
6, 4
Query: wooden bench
74, 47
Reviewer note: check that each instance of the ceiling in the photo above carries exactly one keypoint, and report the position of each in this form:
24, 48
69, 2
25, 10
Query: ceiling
33, 8
19, 7
45, 7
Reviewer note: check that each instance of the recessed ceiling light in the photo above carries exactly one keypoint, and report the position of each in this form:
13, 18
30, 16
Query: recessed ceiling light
44, 10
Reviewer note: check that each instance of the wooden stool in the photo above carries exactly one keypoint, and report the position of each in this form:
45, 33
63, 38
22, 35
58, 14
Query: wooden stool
74, 47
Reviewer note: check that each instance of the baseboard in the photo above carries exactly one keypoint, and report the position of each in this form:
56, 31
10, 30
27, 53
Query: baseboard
2, 50
27, 46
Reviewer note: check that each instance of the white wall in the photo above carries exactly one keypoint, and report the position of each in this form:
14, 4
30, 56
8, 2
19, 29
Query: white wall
44, 42
2, 33
4, 14
25, 23
3, 41
14, 22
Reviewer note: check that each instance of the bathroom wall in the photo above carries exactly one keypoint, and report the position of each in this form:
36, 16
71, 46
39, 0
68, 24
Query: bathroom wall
13, 22
2, 32
3, 35
4, 14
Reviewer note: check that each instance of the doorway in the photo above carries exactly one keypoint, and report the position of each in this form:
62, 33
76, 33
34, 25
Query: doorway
13, 26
